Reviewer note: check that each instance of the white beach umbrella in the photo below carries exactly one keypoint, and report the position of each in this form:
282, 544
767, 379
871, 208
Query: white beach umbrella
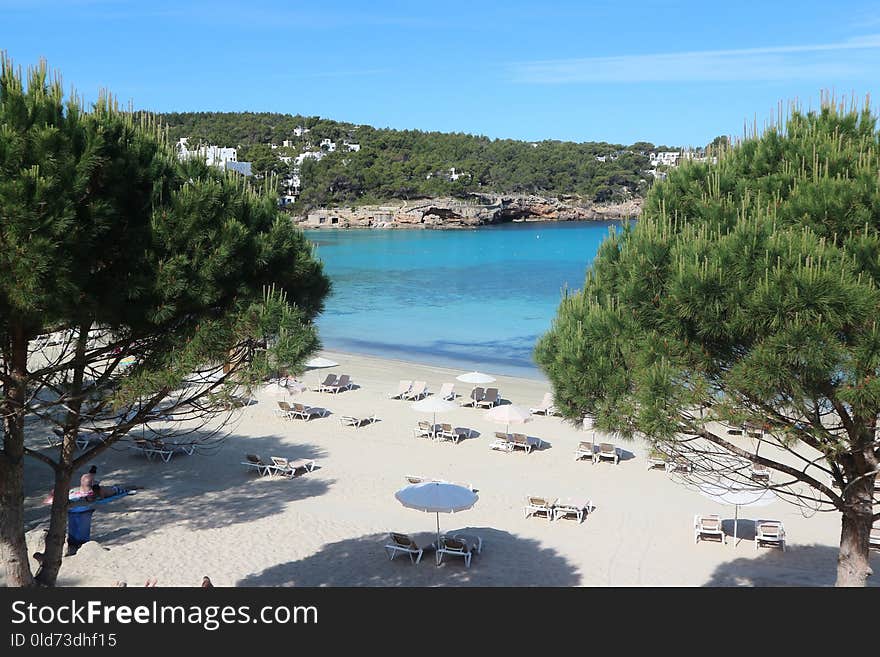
433, 405
736, 497
320, 361
509, 414
436, 497
475, 377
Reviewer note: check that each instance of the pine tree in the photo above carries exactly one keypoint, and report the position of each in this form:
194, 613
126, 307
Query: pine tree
125, 254
746, 294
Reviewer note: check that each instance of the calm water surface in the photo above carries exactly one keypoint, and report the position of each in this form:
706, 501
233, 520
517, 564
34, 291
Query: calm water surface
470, 299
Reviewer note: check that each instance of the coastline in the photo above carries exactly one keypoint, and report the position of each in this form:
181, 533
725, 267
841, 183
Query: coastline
207, 514
456, 214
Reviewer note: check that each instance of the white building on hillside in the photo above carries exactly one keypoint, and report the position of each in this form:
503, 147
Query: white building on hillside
216, 156
299, 131
666, 158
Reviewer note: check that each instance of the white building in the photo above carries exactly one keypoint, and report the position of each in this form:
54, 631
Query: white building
329, 145
287, 143
352, 148
299, 131
666, 158
216, 156
308, 155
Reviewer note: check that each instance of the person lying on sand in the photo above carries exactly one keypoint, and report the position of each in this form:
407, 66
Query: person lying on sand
100, 492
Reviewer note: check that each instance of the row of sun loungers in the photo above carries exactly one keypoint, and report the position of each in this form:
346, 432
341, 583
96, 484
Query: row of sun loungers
413, 390
508, 442
483, 398
596, 453
334, 385
770, 532
441, 432
278, 466
555, 509
458, 545
291, 411
156, 447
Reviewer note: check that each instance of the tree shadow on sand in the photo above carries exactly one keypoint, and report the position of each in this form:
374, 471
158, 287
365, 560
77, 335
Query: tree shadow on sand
506, 560
799, 565
202, 491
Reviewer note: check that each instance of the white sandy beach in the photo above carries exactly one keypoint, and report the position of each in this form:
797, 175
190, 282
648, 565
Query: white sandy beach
208, 514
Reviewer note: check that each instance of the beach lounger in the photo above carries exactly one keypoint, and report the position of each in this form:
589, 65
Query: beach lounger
586, 448
759, 473
284, 410
769, 531
524, 442
327, 384
357, 422
84, 439
608, 452
456, 547
539, 505
447, 391
874, 536
490, 399
307, 412
503, 442
546, 406
151, 448
263, 469
344, 382
288, 467
475, 396
447, 432
419, 389
403, 543
476, 542
708, 526
679, 464
425, 430
402, 389
569, 509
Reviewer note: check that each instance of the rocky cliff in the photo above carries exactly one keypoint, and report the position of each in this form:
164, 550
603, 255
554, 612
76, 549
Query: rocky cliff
449, 213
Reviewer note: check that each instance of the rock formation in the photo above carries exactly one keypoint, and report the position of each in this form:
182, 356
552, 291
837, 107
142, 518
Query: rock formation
480, 210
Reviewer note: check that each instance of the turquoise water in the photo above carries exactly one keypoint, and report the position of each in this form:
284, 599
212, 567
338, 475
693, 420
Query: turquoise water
470, 299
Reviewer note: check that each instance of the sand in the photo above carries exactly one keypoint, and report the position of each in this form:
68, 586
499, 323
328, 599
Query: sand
208, 514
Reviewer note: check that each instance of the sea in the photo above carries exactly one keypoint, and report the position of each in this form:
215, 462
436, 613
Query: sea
475, 299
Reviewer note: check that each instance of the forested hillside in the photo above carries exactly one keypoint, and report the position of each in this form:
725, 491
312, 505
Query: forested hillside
407, 164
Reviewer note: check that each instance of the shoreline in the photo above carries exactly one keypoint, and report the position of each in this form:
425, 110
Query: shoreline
446, 365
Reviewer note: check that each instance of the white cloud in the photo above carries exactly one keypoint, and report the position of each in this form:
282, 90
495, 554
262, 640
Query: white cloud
851, 58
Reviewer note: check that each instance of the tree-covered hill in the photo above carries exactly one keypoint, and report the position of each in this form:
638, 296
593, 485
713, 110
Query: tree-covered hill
406, 164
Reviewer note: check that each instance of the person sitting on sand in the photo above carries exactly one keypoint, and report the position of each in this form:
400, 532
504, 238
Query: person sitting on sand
88, 480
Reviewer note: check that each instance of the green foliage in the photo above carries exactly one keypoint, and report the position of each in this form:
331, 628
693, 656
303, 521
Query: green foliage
102, 226
749, 287
405, 164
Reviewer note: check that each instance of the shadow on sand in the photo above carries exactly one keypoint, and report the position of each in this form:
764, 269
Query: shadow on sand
203, 491
506, 560
799, 565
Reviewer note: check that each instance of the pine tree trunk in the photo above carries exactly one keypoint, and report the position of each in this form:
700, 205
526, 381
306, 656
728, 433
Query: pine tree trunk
51, 564
853, 566
48, 572
13, 546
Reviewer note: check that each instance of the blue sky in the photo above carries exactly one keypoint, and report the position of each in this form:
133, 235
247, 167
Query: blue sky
671, 72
